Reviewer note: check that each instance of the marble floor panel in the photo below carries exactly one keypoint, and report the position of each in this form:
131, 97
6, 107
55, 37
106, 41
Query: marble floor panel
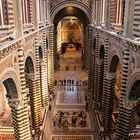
69, 118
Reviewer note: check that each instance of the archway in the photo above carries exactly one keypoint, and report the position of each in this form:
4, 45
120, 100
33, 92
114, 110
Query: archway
8, 93
115, 70
69, 38
70, 30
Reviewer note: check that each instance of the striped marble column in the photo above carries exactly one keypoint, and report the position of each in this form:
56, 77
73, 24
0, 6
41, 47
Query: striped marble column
37, 79
18, 122
105, 82
45, 73
124, 122
44, 83
125, 119
21, 118
51, 59
99, 88
96, 71
107, 106
35, 110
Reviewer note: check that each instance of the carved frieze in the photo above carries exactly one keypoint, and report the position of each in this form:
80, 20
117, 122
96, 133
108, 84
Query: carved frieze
118, 40
7, 51
6, 63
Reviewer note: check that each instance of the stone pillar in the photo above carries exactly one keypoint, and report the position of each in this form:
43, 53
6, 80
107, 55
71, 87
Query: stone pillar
51, 59
35, 91
105, 83
98, 12
18, 18
44, 78
36, 15
99, 84
35, 109
107, 14
128, 18
17, 114
125, 119
44, 83
107, 106
19, 107
125, 112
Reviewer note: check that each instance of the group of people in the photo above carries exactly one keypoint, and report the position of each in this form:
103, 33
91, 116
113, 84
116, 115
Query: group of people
69, 82
51, 98
65, 120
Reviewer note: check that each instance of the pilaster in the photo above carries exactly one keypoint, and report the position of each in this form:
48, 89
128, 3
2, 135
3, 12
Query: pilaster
18, 18
36, 15
107, 14
128, 18
98, 12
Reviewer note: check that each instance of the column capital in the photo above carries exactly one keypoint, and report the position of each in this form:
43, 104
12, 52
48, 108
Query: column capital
43, 62
15, 103
99, 61
30, 76
128, 104
110, 76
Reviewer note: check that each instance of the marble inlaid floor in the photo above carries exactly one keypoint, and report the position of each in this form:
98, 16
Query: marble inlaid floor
70, 100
